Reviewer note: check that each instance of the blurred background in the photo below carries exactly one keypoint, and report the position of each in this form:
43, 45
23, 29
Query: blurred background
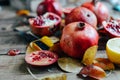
32, 4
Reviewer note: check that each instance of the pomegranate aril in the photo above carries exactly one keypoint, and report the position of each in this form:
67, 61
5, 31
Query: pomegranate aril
51, 17
36, 58
50, 60
39, 21
51, 56
43, 55
13, 52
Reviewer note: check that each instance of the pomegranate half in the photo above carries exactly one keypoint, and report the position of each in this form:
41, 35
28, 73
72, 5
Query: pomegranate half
45, 25
41, 58
112, 28
77, 37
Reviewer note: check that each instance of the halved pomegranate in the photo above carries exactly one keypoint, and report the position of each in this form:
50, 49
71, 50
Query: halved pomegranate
45, 25
41, 58
112, 28
49, 6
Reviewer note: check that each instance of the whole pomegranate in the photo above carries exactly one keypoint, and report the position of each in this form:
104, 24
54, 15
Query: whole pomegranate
77, 37
49, 6
81, 14
99, 9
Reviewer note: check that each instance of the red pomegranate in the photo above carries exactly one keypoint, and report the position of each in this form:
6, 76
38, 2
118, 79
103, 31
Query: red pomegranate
45, 25
67, 10
99, 9
49, 6
77, 37
81, 14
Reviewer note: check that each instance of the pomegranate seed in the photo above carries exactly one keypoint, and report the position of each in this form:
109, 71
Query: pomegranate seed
13, 52
51, 17
50, 56
35, 58
114, 26
50, 60
39, 21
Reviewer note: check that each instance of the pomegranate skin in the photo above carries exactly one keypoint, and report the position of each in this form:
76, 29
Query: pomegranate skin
41, 8
81, 14
100, 10
75, 41
49, 6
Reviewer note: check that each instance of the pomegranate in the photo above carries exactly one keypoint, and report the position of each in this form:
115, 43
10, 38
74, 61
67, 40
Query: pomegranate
41, 58
67, 10
81, 14
13, 52
99, 9
45, 25
49, 6
112, 28
77, 37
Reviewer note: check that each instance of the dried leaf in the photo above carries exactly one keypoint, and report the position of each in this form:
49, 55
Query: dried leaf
104, 63
54, 77
69, 64
92, 71
89, 55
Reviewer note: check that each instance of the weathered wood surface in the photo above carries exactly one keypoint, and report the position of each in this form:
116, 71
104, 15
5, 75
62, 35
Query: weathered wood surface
14, 67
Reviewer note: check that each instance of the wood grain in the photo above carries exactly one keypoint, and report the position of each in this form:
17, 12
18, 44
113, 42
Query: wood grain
14, 68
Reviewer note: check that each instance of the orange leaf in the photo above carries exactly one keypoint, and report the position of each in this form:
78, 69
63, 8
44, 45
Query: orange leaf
93, 71
104, 63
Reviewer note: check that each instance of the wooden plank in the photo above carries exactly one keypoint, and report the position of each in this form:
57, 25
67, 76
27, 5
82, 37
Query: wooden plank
10, 39
12, 42
14, 68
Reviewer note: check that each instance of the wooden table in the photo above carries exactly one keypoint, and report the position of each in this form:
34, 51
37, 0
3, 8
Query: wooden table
14, 67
